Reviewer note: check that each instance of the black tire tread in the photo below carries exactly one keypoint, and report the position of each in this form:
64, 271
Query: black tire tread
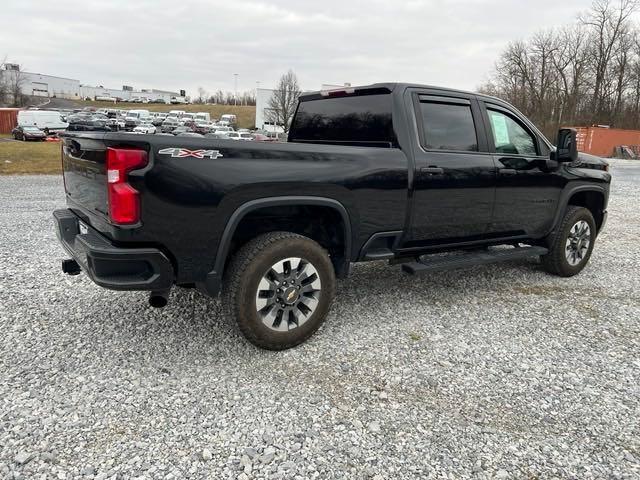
234, 273
555, 262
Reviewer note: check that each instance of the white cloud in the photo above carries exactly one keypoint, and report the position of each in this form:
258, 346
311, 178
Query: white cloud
191, 43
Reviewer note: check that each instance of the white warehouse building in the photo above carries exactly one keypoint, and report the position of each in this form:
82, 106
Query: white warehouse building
41, 85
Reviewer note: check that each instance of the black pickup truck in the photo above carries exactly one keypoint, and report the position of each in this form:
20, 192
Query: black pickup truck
423, 177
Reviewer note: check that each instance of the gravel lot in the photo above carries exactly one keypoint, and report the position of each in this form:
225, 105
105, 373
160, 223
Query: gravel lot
495, 372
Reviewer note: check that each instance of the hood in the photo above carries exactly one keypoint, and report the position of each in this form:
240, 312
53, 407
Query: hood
586, 160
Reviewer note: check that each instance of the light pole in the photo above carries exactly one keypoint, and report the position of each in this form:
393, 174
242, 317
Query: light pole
235, 96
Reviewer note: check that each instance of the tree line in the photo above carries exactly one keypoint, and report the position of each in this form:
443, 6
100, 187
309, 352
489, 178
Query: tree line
225, 98
585, 73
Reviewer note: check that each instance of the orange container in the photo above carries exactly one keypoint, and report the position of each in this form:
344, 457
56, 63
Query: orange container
601, 141
8, 119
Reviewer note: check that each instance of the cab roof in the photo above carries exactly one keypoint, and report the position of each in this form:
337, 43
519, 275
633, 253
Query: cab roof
381, 88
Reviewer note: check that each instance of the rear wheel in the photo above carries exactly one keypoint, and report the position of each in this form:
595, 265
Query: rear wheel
279, 287
571, 246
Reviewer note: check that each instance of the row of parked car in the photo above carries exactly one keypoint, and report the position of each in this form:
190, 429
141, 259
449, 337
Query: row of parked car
175, 122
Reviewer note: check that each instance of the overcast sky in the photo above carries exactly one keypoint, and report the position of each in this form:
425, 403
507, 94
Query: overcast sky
190, 43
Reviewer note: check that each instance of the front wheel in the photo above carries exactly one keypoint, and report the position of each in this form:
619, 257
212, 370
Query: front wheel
571, 246
279, 287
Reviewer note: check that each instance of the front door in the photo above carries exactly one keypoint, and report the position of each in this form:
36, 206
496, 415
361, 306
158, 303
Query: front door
529, 185
455, 175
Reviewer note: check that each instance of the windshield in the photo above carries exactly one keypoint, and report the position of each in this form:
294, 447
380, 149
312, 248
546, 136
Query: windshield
31, 129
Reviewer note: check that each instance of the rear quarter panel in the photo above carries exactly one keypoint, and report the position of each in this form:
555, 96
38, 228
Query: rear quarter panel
186, 202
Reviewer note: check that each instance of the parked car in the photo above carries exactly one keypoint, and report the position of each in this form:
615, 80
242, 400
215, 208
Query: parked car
145, 128
158, 118
395, 172
135, 118
176, 113
89, 121
169, 124
189, 134
202, 117
26, 132
229, 118
259, 137
49, 121
240, 136
221, 135
115, 123
187, 117
202, 127
181, 129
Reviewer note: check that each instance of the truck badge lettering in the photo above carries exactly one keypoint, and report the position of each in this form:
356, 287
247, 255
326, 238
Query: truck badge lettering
184, 153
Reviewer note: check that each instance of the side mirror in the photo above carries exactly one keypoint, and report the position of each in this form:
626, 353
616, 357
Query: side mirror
567, 146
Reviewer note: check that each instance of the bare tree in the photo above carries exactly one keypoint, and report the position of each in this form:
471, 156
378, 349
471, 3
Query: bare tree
14, 81
3, 85
581, 74
570, 63
608, 22
202, 95
283, 102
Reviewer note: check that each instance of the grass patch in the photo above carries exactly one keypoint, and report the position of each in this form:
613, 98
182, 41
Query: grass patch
246, 114
22, 158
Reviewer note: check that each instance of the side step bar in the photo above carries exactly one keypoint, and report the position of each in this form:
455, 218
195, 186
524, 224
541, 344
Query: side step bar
452, 262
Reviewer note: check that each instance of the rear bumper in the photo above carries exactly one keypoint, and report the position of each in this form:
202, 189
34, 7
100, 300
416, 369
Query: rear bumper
110, 266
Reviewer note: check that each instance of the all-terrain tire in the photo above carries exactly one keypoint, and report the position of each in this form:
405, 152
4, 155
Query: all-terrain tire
560, 243
248, 268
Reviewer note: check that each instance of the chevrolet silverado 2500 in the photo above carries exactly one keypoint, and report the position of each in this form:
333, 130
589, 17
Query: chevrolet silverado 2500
426, 178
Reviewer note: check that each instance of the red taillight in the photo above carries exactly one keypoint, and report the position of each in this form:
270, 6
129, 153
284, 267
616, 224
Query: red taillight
124, 201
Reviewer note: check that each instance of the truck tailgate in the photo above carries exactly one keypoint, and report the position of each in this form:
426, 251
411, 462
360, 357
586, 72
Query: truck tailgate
84, 171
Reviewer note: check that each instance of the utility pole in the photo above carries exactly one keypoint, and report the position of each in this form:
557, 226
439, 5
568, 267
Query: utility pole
235, 95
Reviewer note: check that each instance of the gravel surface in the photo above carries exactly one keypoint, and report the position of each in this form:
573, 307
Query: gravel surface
495, 372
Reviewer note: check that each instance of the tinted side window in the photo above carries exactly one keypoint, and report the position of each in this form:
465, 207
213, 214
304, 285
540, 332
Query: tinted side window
509, 136
448, 127
358, 120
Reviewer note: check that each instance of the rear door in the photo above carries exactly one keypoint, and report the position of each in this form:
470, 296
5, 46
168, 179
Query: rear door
528, 185
455, 175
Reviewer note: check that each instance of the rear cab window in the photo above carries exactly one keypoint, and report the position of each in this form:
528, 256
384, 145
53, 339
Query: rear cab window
361, 119
447, 124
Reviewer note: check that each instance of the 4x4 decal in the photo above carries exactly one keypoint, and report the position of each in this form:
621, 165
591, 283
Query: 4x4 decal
183, 153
